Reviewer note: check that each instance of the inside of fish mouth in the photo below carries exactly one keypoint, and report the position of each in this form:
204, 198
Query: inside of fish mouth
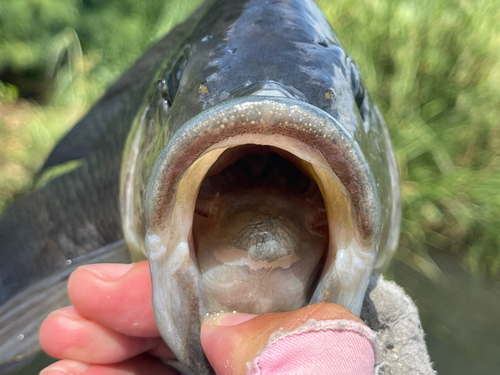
272, 280
260, 231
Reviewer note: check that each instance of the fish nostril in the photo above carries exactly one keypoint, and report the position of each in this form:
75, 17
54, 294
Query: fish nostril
203, 89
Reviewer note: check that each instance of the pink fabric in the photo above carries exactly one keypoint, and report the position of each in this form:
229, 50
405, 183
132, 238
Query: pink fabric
318, 352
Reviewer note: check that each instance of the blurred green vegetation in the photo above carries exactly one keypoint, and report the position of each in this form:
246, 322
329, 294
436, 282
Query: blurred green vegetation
56, 58
432, 66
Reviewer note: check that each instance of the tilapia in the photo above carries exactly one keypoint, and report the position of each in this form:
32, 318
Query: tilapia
241, 155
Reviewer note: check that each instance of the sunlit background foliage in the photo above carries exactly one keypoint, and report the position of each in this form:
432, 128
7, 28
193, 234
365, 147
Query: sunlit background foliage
433, 67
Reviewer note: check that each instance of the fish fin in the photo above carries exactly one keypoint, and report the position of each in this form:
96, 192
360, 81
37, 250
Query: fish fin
22, 315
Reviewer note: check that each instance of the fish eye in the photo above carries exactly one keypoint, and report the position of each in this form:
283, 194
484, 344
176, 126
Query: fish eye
356, 84
173, 81
168, 88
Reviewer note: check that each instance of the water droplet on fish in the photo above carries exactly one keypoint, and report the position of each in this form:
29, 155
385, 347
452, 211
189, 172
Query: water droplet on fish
20, 337
68, 262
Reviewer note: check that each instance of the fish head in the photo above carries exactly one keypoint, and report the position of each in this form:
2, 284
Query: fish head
259, 176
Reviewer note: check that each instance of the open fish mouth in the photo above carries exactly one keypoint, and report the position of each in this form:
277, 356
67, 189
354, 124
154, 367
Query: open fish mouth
260, 231
258, 204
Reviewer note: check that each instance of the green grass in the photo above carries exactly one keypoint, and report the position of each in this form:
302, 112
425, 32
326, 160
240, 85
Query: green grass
434, 69
65, 59
432, 66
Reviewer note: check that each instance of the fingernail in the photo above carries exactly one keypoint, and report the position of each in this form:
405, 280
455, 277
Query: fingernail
235, 318
228, 319
108, 271
70, 368
68, 312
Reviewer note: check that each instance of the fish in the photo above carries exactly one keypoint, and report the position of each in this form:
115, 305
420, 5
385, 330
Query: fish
241, 155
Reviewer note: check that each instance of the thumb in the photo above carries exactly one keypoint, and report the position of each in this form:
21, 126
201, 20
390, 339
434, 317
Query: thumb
319, 339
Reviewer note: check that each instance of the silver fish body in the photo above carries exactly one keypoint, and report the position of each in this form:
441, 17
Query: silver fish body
251, 120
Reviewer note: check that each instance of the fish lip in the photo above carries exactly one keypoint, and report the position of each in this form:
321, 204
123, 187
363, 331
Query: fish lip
264, 115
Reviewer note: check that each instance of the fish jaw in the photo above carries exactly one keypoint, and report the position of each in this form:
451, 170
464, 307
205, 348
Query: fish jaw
322, 147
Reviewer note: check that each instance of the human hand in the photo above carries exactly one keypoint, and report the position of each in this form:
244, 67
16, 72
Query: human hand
110, 330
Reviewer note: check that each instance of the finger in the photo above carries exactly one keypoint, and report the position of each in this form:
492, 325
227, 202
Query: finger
115, 295
240, 337
140, 365
67, 334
